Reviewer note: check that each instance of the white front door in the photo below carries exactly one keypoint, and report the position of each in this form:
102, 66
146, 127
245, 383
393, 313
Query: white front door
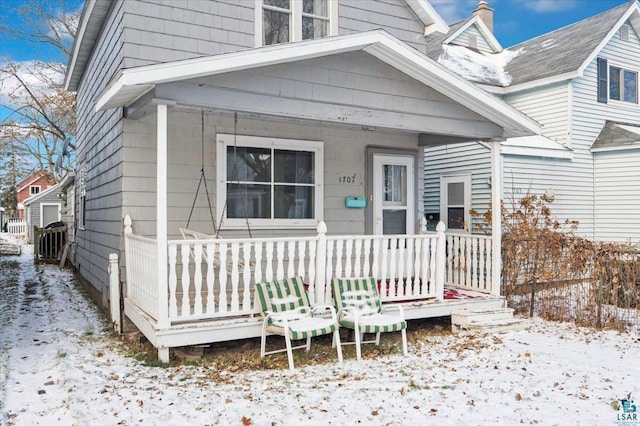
455, 201
393, 200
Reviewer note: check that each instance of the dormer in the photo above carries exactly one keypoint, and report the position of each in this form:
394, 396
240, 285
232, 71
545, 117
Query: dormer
475, 35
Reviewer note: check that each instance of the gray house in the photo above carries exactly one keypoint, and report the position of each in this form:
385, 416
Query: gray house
298, 124
580, 83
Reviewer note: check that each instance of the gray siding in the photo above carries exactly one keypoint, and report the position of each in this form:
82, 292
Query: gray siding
99, 140
392, 15
344, 154
156, 31
618, 196
345, 79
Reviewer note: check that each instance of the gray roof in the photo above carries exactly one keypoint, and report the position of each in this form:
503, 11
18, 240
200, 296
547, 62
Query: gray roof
563, 50
617, 135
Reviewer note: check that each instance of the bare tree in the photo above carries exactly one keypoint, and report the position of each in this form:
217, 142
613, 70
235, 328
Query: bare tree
40, 114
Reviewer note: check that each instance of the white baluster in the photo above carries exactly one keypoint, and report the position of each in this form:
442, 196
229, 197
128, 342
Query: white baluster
302, 251
339, 271
291, 263
357, 269
366, 267
185, 310
246, 277
197, 279
269, 272
222, 277
211, 278
280, 260
349, 250
173, 281
235, 278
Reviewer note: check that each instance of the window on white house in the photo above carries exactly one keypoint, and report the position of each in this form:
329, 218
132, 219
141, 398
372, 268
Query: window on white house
269, 181
294, 20
34, 189
622, 84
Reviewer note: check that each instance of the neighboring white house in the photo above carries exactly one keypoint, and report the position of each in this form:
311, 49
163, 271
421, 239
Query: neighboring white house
580, 83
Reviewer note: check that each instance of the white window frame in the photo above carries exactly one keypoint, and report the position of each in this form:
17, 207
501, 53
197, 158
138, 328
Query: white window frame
444, 199
227, 140
622, 69
295, 20
32, 187
81, 184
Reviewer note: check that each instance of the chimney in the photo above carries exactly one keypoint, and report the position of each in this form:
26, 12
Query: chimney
485, 13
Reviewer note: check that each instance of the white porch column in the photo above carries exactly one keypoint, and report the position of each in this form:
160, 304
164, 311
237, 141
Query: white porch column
161, 217
496, 217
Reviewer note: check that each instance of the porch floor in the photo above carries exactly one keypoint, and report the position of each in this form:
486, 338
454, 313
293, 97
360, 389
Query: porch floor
234, 328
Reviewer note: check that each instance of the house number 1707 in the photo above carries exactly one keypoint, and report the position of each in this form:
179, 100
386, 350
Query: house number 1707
347, 179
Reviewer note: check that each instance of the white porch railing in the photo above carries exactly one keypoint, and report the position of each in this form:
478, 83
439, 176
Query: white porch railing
17, 226
469, 261
142, 271
214, 278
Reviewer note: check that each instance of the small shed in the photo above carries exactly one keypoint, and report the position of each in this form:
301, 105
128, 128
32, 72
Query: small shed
43, 208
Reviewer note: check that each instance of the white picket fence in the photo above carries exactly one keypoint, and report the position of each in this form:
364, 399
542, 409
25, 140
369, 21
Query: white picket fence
214, 278
17, 227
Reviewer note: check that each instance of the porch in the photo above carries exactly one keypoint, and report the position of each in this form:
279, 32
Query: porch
208, 293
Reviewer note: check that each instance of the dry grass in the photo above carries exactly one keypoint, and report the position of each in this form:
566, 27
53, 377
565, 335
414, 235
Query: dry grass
224, 358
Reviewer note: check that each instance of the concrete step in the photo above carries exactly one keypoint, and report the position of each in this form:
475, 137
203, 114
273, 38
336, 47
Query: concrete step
9, 249
466, 316
492, 326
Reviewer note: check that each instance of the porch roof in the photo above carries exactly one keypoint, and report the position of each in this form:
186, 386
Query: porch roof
616, 136
131, 84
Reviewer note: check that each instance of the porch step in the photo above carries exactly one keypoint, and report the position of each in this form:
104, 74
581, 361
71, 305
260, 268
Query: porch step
486, 321
9, 249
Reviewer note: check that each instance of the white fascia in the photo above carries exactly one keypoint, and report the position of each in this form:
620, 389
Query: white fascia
78, 41
432, 21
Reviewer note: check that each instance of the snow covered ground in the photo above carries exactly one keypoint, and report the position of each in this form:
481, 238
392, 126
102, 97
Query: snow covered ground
60, 365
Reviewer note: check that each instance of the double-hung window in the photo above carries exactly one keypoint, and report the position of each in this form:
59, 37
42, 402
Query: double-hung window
616, 83
281, 21
269, 182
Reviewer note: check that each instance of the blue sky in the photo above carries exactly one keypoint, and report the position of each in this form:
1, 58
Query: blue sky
515, 21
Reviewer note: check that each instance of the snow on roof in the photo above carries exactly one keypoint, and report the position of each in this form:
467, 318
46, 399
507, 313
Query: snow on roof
479, 67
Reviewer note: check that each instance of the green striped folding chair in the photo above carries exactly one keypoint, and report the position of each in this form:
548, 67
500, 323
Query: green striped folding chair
285, 307
359, 308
